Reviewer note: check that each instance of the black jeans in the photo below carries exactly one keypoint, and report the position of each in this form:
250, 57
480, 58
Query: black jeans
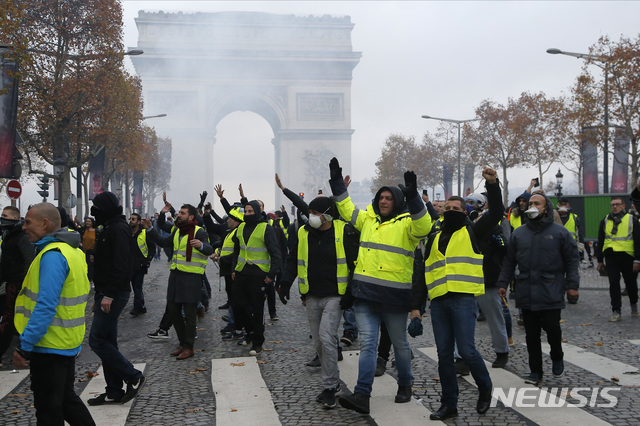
185, 326
534, 323
137, 282
248, 305
52, 379
621, 263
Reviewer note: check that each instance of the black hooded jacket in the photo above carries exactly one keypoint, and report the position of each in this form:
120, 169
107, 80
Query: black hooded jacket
546, 255
112, 266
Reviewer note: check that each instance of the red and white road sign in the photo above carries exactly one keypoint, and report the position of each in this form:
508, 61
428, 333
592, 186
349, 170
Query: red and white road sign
14, 189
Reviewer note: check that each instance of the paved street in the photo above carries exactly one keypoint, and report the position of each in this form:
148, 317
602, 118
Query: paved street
222, 385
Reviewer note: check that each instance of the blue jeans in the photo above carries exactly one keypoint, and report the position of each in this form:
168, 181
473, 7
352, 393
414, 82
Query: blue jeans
350, 325
453, 318
369, 321
103, 340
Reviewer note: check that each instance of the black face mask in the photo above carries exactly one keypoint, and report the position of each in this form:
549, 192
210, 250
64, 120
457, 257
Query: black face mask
101, 217
251, 219
454, 219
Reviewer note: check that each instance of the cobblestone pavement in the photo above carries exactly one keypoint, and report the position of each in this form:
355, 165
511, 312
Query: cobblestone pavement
180, 392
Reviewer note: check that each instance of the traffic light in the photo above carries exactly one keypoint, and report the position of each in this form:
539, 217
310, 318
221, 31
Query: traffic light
301, 194
44, 186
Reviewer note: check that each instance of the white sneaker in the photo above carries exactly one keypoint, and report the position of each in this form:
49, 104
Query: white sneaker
615, 317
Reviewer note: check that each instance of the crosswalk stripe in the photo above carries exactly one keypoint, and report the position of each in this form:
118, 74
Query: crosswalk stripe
109, 414
505, 380
9, 381
634, 342
242, 396
384, 410
599, 365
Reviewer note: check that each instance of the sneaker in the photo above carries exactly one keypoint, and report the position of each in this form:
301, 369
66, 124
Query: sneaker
136, 312
357, 401
234, 335
103, 399
533, 379
244, 341
159, 334
275, 318
229, 328
381, 366
348, 338
557, 368
615, 316
501, 360
255, 350
133, 389
315, 362
327, 398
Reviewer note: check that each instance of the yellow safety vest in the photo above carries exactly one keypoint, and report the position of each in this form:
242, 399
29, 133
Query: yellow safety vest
623, 240
142, 243
67, 328
255, 251
227, 245
571, 226
341, 258
458, 270
198, 261
515, 221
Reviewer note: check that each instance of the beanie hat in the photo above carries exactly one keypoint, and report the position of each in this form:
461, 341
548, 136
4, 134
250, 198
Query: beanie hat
325, 205
106, 201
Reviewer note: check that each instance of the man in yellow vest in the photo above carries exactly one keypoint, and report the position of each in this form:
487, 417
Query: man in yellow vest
257, 261
191, 250
142, 252
49, 316
322, 254
619, 248
390, 230
453, 278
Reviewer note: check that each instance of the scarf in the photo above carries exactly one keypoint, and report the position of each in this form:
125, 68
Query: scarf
617, 219
189, 229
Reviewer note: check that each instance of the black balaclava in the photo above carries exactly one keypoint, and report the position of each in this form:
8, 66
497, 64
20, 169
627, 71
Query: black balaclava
253, 219
105, 206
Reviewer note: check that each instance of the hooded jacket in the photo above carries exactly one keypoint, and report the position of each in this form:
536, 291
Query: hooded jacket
387, 243
547, 259
112, 264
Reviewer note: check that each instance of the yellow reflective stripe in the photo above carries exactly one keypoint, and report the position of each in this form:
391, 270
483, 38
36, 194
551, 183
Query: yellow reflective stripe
387, 248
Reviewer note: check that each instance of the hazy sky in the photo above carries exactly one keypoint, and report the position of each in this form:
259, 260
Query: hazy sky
435, 58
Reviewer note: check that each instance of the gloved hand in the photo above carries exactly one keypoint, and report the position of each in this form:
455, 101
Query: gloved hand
410, 187
415, 327
283, 292
347, 299
335, 169
203, 197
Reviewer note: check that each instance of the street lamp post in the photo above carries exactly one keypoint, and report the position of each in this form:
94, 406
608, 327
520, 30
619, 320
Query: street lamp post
605, 67
154, 116
559, 177
458, 123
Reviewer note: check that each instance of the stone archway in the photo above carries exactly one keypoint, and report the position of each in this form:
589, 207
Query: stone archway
293, 71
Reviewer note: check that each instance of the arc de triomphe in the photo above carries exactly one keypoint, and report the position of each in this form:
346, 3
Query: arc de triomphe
293, 71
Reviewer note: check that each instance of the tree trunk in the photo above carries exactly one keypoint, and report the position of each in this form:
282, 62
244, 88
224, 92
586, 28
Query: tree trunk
505, 183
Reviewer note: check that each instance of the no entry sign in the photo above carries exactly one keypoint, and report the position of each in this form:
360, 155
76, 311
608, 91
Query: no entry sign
14, 189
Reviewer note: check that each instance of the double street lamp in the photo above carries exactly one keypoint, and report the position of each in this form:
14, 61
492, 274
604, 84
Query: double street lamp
604, 65
458, 123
